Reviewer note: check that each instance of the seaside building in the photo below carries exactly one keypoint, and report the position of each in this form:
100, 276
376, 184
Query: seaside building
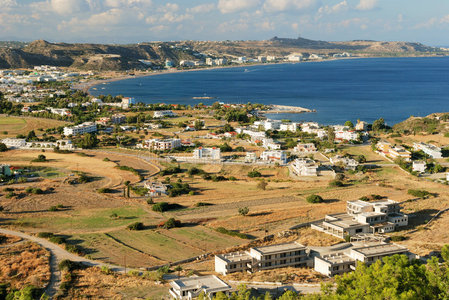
270, 144
263, 258
191, 287
295, 57
161, 144
419, 166
86, 127
361, 126
207, 153
305, 148
364, 218
304, 167
163, 114
279, 156
289, 127
429, 149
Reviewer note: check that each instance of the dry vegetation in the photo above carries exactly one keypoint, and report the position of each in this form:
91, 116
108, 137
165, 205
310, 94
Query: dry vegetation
14, 126
24, 264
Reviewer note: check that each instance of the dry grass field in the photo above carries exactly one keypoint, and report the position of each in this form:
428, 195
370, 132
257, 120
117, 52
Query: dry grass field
12, 126
23, 264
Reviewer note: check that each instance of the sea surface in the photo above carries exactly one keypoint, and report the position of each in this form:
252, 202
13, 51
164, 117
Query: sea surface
339, 90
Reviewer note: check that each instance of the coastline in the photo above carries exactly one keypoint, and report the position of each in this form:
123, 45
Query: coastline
86, 86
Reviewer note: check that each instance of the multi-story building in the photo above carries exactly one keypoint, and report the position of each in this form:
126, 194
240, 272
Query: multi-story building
304, 167
339, 262
279, 156
118, 118
270, 144
388, 150
250, 157
263, 258
192, 287
163, 113
364, 217
419, 166
162, 144
305, 148
86, 127
207, 153
429, 149
14, 143
346, 162
289, 127
346, 135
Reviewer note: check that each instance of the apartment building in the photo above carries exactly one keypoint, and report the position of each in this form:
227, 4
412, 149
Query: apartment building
304, 167
163, 113
86, 127
207, 153
191, 287
336, 263
305, 148
118, 118
162, 144
429, 149
364, 217
263, 258
289, 127
346, 162
388, 150
279, 156
14, 143
419, 166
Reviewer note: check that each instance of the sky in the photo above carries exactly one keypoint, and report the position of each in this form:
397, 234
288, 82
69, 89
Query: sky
132, 21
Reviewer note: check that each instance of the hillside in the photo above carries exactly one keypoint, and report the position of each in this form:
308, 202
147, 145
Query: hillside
125, 57
433, 123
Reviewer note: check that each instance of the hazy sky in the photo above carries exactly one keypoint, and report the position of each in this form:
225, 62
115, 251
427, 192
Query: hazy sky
123, 21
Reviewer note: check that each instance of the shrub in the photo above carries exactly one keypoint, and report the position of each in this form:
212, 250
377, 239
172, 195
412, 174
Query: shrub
262, 185
104, 190
106, 159
314, 199
336, 183
53, 208
57, 239
172, 223
40, 158
419, 193
232, 178
136, 226
364, 198
243, 211
253, 174
10, 195
106, 270
45, 235
8, 189
199, 204
66, 265
150, 201
160, 207
232, 233
31, 190
73, 249
398, 238
3, 147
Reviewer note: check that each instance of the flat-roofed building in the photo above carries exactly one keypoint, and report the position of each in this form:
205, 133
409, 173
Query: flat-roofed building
429, 149
341, 225
274, 156
118, 118
14, 143
86, 127
232, 262
334, 264
207, 153
372, 253
279, 256
305, 148
304, 167
162, 144
163, 113
192, 287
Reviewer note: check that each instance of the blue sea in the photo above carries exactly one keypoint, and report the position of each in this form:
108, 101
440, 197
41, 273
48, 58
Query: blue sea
339, 90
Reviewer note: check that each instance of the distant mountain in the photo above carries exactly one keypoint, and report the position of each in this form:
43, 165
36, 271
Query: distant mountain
125, 57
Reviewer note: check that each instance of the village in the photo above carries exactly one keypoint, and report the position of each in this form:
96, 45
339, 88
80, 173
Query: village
190, 186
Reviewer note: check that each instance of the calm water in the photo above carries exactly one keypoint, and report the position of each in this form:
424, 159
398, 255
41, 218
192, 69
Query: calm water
366, 89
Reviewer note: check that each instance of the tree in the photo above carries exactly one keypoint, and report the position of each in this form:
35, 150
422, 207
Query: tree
225, 148
31, 135
378, 124
331, 134
361, 159
254, 173
88, 141
126, 190
314, 199
243, 211
349, 124
198, 124
227, 128
3, 147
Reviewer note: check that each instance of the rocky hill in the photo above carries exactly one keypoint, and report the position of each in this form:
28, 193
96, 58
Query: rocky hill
125, 57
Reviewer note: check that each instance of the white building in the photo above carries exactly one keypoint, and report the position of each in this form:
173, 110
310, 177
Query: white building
14, 143
279, 156
304, 167
207, 153
156, 188
191, 287
346, 135
305, 148
289, 127
419, 166
118, 118
162, 144
295, 57
270, 144
429, 149
250, 157
80, 129
163, 113
348, 163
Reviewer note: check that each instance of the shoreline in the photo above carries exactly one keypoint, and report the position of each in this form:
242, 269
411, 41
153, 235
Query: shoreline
86, 86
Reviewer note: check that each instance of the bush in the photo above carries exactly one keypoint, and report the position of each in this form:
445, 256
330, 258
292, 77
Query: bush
199, 204
232, 233
419, 193
3, 147
53, 208
178, 189
262, 185
36, 191
232, 178
172, 223
136, 226
106, 270
336, 183
150, 201
314, 199
106, 159
45, 235
57, 239
40, 158
10, 195
398, 238
74, 249
66, 265
160, 207
253, 174
104, 190
243, 211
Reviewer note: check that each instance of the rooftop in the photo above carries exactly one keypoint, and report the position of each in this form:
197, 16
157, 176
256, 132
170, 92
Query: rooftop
344, 221
235, 256
336, 258
210, 282
383, 249
279, 248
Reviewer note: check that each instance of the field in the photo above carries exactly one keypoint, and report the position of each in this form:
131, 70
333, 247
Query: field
24, 263
97, 222
13, 126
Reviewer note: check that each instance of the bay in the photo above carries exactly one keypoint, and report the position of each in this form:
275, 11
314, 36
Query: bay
339, 90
